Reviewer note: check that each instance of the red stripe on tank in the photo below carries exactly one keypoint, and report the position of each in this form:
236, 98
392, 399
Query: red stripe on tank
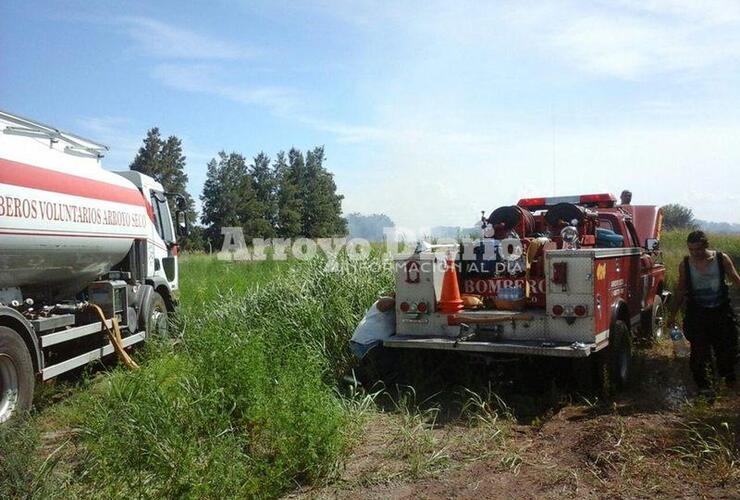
54, 234
44, 179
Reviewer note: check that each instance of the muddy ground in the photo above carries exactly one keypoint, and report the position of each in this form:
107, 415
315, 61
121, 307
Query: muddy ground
540, 440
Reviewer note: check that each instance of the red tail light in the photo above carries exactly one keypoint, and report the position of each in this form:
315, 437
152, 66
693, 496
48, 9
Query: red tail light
405, 307
580, 310
557, 310
422, 307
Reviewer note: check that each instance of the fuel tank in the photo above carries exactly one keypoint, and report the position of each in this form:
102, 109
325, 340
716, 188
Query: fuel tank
64, 219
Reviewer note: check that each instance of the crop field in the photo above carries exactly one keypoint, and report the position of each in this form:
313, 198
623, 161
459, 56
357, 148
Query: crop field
252, 396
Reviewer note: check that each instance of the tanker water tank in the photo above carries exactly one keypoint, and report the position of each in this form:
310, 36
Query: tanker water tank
64, 219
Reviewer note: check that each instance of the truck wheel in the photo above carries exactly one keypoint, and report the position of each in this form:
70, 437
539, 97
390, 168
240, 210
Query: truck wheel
652, 322
156, 323
16, 375
613, 365
621, 354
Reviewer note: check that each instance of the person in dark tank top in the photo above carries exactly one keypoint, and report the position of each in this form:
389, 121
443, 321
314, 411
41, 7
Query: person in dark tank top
709, 323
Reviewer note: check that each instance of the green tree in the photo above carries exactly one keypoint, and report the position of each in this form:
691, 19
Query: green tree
147, 160
290, 206
369, 227
217, 211
164, 161
228, 197
677, 216
196, 241
322, 206
173, 177
265, 189
242, 195
295, 197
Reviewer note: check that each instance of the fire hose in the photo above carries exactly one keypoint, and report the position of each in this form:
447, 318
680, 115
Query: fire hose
115, 337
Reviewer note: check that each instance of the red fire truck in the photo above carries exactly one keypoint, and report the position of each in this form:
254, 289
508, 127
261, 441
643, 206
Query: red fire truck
575, 277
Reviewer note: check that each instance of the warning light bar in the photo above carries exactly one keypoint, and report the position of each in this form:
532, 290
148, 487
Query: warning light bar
602, 200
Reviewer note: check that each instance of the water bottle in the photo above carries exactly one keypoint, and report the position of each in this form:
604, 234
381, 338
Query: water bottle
680, 349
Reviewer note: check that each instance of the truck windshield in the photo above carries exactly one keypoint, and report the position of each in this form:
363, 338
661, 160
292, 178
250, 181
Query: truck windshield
164, 219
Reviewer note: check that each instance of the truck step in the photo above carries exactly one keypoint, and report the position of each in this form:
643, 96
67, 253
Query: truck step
82, 359
532, 348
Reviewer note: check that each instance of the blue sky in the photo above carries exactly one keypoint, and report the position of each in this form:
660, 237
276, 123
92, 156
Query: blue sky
429, 111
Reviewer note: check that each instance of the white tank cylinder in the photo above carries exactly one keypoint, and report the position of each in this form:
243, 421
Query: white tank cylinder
63, 218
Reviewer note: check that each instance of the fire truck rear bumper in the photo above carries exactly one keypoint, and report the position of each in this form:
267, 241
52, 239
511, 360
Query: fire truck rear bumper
529, 348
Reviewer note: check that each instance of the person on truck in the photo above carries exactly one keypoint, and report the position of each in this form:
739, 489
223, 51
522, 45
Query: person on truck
626, 197
709, 322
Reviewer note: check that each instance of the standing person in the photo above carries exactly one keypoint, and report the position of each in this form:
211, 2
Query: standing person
709, 322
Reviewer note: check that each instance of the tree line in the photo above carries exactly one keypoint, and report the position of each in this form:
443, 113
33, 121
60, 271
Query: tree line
368, 227
292, 196
677, 216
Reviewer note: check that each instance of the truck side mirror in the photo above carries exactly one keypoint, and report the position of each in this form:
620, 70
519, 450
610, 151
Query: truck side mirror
183, 226
652, 245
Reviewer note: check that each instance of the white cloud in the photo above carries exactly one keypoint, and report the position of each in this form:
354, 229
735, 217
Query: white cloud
164, 40
281, 101
346, 133
441, 152
625, 39
714, 11
116, 133
693, 166
206, 79
630, 39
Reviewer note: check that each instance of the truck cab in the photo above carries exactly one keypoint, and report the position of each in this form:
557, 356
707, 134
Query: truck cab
162, 243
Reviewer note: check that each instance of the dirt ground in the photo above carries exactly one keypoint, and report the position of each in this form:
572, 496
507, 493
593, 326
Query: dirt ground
657, 439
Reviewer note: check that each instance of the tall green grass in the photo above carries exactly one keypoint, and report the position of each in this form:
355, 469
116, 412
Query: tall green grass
243, 405
24, 471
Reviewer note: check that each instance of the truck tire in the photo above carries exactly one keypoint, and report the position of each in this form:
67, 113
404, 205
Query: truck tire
651, 330
608, 371
156, 322
620, 342
16, 375
614, 363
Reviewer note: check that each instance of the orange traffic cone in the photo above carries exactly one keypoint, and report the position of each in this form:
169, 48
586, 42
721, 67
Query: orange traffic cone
450, 301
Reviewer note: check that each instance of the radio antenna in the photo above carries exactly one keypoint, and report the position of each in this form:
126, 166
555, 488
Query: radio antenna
552, 127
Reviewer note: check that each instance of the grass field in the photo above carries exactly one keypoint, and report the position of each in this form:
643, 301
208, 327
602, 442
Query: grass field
243, 405
245, 402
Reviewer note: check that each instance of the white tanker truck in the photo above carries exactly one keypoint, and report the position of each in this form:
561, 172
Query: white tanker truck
74, 236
